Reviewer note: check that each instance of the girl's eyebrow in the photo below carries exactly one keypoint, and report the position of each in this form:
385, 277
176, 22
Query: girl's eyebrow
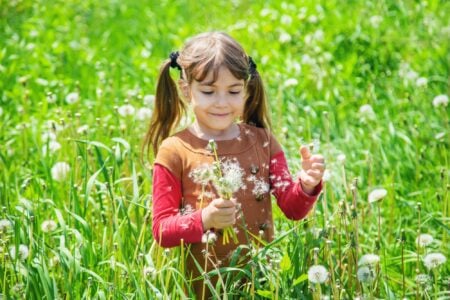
212, 84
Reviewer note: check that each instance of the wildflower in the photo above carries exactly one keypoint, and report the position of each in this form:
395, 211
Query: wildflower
23, 252
421, 81
317, 274
231, 180
341, 158
440, 100
52, 147
48, 226
149, 99
366, 112
326, 175
48, 136
209, 237
286, 19
83, 129
261, 188
369, 259
365, 274
126, 110
149, 271
422, 278
377, 195
424, 240
72, 97
60, 171
144, 114
434, 260
291, 82
202, 174
5, 224
284, 37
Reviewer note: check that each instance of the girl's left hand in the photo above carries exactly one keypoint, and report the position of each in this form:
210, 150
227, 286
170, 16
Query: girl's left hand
313, 167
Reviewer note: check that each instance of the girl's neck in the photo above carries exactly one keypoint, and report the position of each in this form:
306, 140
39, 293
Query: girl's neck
230, 133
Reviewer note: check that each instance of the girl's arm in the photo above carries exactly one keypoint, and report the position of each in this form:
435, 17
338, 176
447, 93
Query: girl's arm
291, 198
169, 226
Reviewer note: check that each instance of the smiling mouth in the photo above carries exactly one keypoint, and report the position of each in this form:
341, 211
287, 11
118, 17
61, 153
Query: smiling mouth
219, 115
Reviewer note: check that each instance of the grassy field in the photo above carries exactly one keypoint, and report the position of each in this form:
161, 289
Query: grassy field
366, 82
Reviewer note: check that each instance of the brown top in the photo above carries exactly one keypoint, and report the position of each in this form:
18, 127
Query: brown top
253, 149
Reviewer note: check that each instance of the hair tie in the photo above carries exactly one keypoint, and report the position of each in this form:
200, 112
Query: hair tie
173, 60
251, 66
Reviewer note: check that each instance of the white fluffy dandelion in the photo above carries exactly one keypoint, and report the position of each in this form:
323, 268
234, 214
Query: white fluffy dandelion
434, 260
149, 100
440, 100
22, 254
126, 110
421, 81
422, 279
149, 271
366, 112
144, 114
291, 82
369, 259
48, 226
51, 148
72, 97
365, 274
377, 195
424, 240
232, 178
209, 237
5, 224
60, 171
317, 274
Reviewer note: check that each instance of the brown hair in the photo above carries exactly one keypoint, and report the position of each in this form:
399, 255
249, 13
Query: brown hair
202, 54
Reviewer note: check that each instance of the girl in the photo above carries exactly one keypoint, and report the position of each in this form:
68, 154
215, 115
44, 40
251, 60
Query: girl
221, 84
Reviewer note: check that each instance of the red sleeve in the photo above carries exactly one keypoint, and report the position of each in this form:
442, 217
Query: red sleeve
294, 203
169, 225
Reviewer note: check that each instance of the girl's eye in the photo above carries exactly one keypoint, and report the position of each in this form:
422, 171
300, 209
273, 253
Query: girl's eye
235, 92
207, 92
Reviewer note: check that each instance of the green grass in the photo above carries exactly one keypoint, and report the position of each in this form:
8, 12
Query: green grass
343, 57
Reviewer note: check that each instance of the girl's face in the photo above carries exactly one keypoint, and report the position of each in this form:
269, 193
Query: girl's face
218, 104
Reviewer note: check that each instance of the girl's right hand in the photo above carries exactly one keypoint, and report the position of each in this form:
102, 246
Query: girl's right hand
219, 214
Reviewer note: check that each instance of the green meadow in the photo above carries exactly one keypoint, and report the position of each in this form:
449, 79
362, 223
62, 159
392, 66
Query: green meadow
365, 83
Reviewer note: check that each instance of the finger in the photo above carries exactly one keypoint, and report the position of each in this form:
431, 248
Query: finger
316, 174
318, 166
221, 203
317, 158
304, 152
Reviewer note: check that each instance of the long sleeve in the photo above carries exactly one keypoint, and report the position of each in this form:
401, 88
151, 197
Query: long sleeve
169, 225
291, 198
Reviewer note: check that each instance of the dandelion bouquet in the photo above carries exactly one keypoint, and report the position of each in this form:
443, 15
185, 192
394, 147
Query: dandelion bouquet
226, 176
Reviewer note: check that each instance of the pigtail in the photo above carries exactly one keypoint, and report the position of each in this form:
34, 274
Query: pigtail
168, 108
256, 109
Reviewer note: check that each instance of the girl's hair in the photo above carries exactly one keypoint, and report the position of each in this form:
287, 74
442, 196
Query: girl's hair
202, 54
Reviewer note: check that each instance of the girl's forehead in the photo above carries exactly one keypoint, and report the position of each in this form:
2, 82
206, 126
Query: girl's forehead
219, 76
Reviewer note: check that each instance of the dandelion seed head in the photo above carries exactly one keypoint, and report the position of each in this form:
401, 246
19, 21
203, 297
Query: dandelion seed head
291, 82
5, 224
126, 110
341, 158
209, 237
317, 274
377, 195
144, 114
440, 100
422, 279
326, 175
72, 97
421, 81
433, 260
366, 112
369, 259
48, 226
365, 274
149, 271
60, 171
424, 240
23, 252
51, 148
149, 100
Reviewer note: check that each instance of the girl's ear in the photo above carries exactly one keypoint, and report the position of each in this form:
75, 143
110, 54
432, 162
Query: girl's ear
185, 89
